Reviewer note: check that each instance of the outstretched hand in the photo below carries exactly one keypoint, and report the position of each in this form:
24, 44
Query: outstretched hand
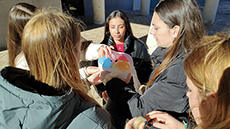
163, 120
105, 51
95, 78
92, 69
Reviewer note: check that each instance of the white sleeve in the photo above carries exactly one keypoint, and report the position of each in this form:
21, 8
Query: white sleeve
83, 73
92, 51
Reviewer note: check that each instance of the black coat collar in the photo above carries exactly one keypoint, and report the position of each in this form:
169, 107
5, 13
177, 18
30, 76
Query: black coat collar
22, 79
127, 43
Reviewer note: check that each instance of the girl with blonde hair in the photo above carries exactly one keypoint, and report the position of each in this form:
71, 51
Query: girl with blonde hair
51, 94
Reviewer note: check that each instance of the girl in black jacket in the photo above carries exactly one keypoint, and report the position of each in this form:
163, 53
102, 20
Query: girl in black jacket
177, 26
208, 82
119, 36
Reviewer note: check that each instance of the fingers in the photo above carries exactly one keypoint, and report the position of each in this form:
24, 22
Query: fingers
94, 78
97, 82
103, 74
97, 79
153, 114
142, 125
105, 51
111, 47
157, 116
100, 54
92, 69
160, 125
164, 120
129, 125
128, 78
105, 96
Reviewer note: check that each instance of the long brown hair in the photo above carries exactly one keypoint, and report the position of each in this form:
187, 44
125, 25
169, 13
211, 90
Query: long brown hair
123, 16
186, 14
205, 67
18, 16
51, 45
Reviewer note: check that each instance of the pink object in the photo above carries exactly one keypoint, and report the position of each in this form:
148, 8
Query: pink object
120, 47
115, 55
123, 66
122, 57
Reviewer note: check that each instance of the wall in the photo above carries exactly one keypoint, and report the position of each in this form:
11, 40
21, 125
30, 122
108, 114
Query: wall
110, 5
5, 5
154, 3
136, 4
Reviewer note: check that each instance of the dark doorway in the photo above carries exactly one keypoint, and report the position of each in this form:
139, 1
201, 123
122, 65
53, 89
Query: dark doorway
73, 7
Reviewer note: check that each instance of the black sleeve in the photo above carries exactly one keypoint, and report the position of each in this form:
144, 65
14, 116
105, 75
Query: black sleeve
144, 71
88, 63
168, 94
142, 62
120, 93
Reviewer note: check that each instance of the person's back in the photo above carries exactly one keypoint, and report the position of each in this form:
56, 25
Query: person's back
51, 94
37, 105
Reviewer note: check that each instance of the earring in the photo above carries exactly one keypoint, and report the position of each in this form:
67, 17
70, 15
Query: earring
174, 37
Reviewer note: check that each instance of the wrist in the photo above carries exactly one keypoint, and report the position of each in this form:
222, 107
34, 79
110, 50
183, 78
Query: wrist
87, 82
86, 71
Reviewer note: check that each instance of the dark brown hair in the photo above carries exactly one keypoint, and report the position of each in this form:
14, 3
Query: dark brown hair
123, 16
186, 14
18, 16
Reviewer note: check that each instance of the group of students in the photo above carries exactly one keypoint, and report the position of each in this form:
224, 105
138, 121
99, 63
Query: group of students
43, 88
